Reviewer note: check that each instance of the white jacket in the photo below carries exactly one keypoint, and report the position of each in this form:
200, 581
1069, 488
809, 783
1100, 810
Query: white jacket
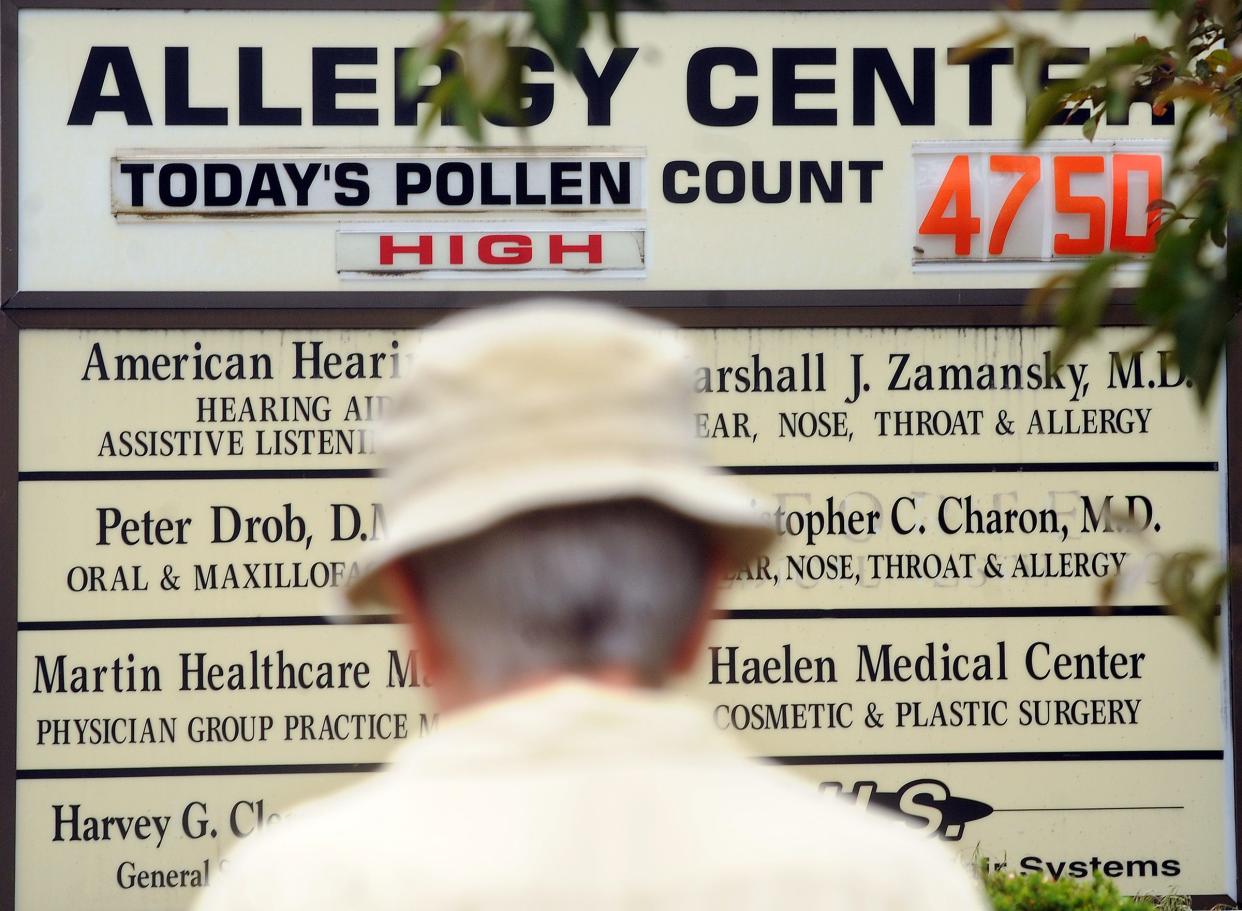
576, 796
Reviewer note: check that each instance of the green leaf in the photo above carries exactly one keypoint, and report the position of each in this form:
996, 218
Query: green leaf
1040, 113
466, 110
1010, 891
1189, 294
1044, 299
1168, 7
1086, 298
1167, 276
609, 8
561, 24
1093, 83
1192, 114
1219, 58
1092, 124
414, 61
1138, 53
1192, 586
1231, 173
485, 64
1233, 260
971, 48
1201, 331
1118, 104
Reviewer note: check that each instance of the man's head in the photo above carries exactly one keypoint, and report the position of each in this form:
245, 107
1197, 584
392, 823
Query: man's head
550, 509
618, 591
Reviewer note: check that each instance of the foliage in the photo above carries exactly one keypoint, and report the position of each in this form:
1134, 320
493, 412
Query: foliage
1191, 286
487, 86
1034, 892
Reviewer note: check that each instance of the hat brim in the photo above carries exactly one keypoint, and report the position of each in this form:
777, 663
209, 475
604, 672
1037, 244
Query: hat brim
733, 514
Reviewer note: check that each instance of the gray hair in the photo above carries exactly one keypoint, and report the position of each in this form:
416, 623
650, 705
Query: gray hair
577, 589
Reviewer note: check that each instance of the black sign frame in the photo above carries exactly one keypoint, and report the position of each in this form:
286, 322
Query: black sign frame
22, 310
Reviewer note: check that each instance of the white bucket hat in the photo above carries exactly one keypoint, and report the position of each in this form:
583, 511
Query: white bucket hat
528, 406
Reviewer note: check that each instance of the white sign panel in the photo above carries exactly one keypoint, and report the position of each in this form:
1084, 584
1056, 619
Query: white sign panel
980, 202
247, 185
768, 151
502, 249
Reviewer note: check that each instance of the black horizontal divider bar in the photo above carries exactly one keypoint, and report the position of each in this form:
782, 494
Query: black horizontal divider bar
1015, 756
968, 467
329, 768
208, 622
244, 474
792, 613
679, 6
928, 613
193, 771
201, 474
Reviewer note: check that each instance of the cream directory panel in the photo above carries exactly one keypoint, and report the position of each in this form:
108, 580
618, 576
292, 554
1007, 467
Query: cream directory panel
923, 637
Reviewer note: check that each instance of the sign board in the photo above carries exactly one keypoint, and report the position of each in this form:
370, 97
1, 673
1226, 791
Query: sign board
183, 536
1057, 201
216, 150
221, 239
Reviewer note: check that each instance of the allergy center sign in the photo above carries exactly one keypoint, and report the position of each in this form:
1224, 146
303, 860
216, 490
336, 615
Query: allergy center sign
225, 230
773, 151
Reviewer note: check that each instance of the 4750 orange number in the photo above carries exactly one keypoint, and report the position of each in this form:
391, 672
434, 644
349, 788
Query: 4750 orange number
1011, 205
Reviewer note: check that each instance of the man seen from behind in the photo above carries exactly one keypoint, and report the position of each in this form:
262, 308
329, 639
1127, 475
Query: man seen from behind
556, 539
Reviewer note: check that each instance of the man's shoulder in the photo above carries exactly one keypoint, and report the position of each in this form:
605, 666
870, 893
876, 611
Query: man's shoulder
298, 861
773, 797
781, 823
696, 819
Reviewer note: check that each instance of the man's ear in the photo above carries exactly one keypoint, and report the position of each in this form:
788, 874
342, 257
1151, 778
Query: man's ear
401, 591
687, 651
